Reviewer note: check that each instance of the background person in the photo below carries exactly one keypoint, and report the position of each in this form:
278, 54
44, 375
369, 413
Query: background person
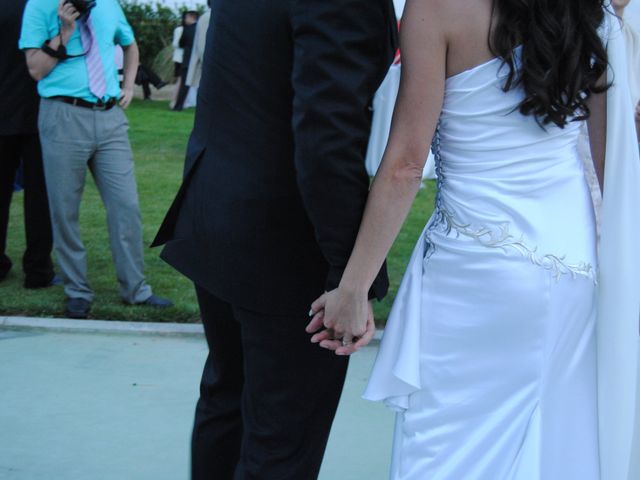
19, 143
197, 54
177, 57
82, 124
186, 43
146, 77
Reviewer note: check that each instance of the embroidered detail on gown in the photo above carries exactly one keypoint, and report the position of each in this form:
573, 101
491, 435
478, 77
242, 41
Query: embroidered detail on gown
489, 352
498, 236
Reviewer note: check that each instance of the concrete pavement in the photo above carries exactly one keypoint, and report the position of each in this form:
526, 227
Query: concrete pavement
119, 406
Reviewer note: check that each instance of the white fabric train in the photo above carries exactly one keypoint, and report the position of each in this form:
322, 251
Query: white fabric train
619, 281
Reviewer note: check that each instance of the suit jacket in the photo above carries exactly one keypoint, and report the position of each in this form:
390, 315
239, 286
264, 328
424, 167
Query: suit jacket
197, 54
275, 183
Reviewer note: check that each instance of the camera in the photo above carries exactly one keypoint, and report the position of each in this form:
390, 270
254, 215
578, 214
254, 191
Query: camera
83, 7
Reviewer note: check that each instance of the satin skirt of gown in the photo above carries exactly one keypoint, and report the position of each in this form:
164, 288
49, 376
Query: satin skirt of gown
489, 355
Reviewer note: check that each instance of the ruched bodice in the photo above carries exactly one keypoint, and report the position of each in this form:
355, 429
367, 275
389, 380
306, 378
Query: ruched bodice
507, 181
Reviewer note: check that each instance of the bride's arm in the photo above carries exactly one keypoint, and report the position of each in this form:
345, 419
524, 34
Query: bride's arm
424, 52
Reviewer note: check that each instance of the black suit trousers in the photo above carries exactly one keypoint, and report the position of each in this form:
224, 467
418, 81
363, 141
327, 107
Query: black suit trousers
36, 261
267, 398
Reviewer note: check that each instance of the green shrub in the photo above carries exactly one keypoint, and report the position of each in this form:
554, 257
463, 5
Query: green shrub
153, 25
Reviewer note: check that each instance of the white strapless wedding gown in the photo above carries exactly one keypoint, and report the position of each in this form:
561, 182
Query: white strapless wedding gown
489, 355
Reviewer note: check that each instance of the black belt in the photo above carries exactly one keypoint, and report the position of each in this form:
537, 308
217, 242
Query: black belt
78, 102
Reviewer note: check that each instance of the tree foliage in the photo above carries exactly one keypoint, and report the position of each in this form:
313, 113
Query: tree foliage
153, 24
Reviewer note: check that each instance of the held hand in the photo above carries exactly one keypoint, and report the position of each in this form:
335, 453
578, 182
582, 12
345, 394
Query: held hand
348, 321
340, 349
68, 16
126, 95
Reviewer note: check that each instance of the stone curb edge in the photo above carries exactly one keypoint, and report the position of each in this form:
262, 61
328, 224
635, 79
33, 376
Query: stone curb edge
100, 326
110, 326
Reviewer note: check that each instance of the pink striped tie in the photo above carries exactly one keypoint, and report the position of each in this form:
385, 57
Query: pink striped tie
95, 69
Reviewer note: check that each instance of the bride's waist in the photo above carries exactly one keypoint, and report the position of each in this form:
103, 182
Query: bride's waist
552, 233
533, 214
538, 200
561, 242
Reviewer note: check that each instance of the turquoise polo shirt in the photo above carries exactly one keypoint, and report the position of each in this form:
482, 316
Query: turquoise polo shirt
69, 77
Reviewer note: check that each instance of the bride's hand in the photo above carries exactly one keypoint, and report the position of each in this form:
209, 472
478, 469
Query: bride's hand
347, 318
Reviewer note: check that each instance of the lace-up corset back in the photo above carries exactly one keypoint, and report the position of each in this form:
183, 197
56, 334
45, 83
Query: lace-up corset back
506, 182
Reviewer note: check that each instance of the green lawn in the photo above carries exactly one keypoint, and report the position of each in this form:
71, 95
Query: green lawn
158, 138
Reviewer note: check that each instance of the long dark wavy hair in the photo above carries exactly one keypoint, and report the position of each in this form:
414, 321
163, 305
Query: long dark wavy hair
563, 58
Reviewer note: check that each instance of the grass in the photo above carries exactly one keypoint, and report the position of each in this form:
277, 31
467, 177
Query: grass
158, 138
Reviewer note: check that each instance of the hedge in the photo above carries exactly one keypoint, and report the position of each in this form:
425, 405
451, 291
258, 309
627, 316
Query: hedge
153, 24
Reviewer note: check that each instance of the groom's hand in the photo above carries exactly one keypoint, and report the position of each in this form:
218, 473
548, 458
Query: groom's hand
345, 319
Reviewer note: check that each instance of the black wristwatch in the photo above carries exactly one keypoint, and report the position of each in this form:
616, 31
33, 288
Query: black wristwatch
60, 53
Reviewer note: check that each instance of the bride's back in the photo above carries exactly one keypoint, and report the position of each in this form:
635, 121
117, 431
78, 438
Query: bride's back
563, 58
505, 131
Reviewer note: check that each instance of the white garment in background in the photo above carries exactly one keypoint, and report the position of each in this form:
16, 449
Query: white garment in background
178, 52
197, 53
489, 355
619, 287
192, 98
632, 42
399, 7
383, 105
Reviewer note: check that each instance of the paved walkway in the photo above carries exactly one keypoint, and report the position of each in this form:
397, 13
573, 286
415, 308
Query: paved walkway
78, 406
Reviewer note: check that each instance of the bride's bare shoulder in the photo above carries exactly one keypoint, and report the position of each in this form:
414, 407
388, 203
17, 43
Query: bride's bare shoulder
429, 8
463, 26
453, 17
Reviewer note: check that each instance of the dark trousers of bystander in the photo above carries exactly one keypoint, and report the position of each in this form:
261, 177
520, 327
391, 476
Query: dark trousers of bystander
183, 92
267, 399
36, 261
146, 77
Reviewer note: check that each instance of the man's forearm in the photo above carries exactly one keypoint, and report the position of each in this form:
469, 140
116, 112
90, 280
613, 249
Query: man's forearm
131, 61
40, 63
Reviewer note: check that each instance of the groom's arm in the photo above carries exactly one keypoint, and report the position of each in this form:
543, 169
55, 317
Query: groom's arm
340, 50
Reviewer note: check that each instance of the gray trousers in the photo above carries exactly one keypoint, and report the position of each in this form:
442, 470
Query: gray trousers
74, 138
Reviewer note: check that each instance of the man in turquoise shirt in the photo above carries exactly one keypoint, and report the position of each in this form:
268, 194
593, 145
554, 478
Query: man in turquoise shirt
41, 23
82, 126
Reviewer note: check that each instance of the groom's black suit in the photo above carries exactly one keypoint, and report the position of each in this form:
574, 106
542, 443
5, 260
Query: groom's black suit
273, 194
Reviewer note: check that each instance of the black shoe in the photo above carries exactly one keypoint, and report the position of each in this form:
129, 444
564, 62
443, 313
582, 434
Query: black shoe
157, 302
160, 85
34, 284
77, 308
